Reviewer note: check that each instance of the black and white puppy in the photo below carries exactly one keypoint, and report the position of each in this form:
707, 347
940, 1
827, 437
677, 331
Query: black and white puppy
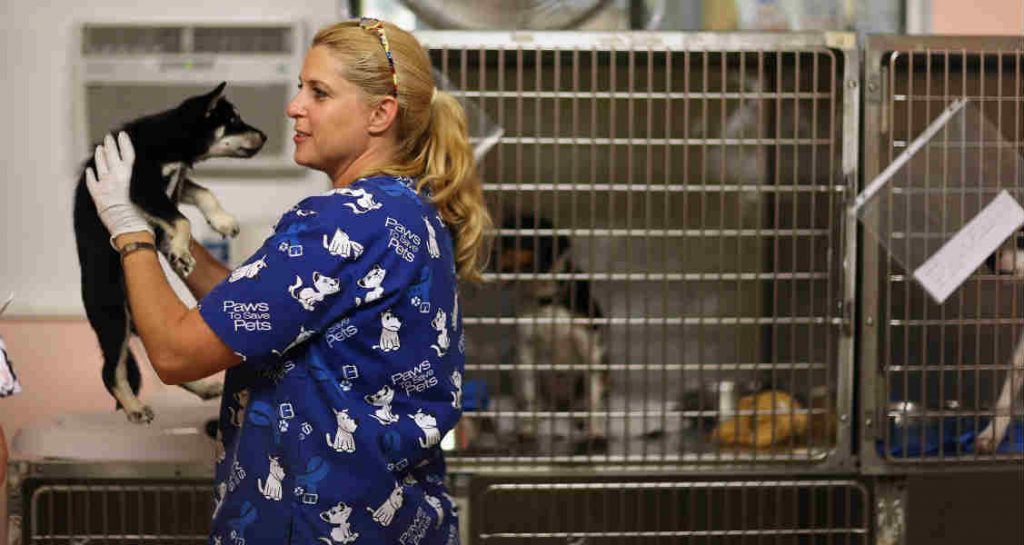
167, 144
547, 338
1007, 260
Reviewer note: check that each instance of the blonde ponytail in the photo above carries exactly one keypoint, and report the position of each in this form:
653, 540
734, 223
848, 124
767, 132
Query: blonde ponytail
450, 174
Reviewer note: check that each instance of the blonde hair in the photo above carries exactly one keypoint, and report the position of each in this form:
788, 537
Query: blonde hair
433, 142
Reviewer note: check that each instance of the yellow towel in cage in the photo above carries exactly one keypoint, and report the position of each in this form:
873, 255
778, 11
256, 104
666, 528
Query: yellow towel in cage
765, 420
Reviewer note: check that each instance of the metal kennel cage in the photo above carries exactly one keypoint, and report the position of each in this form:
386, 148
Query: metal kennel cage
682, 195
75, 503
932, 372
669, 511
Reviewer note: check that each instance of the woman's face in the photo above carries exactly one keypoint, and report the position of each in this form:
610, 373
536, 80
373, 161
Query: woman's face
331, 116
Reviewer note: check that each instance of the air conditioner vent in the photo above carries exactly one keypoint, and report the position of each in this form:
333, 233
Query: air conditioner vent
131, 40
242, 40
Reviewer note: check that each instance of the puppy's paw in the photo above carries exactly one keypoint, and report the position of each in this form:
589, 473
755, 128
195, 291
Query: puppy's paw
183, 263
223, 223
988, 440
985, 444
144, 415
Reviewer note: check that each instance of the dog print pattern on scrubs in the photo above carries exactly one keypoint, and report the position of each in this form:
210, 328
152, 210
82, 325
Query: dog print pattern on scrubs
330, 427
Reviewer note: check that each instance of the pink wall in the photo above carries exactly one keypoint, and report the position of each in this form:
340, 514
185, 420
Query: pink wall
58, 364
1004, 17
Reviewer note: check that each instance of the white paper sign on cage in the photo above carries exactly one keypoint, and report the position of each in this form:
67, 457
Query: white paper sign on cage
484, 133
948, 201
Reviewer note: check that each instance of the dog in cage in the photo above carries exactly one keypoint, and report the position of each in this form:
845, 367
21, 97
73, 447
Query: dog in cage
1007, 260
560, 363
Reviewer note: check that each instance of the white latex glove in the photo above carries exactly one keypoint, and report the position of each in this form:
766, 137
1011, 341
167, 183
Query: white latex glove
110, 191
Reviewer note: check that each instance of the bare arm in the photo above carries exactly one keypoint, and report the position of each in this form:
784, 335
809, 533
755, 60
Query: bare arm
180, 345
208, 271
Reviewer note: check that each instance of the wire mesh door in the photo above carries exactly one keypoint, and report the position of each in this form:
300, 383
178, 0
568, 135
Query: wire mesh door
667, 281
648, 512
938, 375
128, 512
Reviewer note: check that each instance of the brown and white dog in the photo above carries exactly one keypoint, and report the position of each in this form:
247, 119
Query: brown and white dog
551, 349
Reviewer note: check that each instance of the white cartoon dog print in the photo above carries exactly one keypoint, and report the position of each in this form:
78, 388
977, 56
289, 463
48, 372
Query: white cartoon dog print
299, 339
272, 489
342, 246
372, 281
364, 200
382, 400
436, 504
451, 503
252, 270
440, 324
427, 423
343, 440
432, 248
238, 416
457, 394
310, 296
338, 516
219, 494
389, 339
384, 514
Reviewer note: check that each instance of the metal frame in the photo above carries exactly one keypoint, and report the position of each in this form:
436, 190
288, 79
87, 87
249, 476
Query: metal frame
843, 45
35, 487
878, 50
662, 509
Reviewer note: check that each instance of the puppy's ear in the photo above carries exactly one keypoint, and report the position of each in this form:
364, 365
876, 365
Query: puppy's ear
213, 97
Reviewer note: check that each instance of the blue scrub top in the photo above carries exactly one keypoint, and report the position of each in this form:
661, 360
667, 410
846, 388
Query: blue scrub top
348, 326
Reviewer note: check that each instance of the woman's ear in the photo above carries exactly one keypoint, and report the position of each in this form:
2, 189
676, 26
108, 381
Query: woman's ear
383, 116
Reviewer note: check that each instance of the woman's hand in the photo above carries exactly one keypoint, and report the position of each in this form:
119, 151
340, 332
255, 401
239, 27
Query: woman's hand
110, 191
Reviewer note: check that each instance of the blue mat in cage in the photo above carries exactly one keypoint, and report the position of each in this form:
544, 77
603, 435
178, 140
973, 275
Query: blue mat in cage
923, 440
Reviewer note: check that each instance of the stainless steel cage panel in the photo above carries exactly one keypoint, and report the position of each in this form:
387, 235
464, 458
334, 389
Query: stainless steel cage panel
653, 512
931, 373
684, 196
78, 503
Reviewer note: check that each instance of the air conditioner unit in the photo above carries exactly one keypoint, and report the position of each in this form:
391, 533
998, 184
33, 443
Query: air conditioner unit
127, 70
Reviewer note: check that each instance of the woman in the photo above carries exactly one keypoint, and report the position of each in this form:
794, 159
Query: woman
341, 335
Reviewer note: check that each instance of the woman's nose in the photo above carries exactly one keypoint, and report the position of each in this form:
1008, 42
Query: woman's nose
293, 109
